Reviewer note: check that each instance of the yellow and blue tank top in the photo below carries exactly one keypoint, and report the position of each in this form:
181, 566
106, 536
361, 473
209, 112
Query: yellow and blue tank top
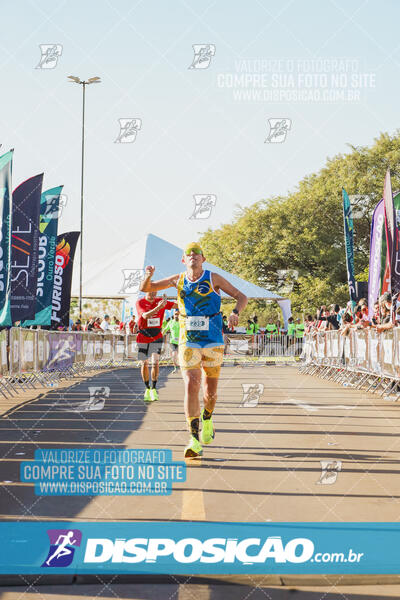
199, 312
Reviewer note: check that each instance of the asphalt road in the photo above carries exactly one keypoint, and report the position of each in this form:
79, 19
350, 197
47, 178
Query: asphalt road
288, 447
297, 449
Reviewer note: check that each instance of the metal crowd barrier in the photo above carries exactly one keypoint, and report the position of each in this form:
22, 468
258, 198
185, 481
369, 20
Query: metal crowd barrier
262, 345
363, 358
30, 357
38, 357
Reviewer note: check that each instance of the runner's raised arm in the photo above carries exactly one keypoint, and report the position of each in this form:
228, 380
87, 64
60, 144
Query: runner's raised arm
146, 285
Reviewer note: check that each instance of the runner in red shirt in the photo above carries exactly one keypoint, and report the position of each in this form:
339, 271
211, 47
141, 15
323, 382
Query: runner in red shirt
150, 310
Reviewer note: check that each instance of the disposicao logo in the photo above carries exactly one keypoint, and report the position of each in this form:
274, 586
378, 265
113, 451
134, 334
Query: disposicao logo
62, 547
189, 550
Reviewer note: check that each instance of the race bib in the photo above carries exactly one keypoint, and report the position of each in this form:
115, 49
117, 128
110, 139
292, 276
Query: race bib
155, 322
197, 323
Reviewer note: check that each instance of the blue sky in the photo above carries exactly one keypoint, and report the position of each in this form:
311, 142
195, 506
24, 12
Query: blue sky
196, 136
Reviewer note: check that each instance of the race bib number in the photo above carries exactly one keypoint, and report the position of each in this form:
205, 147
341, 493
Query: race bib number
197, 323
155, 322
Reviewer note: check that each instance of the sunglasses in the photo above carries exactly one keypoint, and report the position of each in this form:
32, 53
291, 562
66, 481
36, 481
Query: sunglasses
194, 250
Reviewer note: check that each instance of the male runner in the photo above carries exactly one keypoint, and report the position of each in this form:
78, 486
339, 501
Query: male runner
150, 312
173, 328
201, 344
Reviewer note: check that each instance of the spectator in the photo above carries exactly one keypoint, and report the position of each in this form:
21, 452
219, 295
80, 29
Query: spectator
77, 326
271, 329
280, 329
132, 325
225, 328
299, 328
386, 305
333, 317
376, 319
346, 324
256, 326
96, 325
105, 325
249, 329
310, 324
291, 329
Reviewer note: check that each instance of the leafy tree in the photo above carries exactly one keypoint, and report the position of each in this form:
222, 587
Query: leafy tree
303, 231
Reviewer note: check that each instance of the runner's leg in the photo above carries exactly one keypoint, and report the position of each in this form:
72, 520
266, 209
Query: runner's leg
155, 369
211, 363
154, 374
192, 381
144, 368
190, 363
210, 393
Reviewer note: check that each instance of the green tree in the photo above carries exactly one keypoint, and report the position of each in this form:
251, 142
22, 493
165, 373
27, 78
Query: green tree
304, 230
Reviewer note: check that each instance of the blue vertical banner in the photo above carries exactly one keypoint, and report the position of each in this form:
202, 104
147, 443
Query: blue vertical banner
25, 248
49, 213
349, 242
5, 233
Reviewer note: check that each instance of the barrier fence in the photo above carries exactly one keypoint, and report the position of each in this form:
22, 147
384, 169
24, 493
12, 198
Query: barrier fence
36, 356
262, 345
29, 357
362, 358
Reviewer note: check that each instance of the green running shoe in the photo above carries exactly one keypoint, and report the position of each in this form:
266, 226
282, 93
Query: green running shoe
154, 395
147, 396
207, 432
193, 449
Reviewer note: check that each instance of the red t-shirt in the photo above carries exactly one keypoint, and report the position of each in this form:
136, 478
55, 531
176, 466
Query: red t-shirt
131, 325
149, 330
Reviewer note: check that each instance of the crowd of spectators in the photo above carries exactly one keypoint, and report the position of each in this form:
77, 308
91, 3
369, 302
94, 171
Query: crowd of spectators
385, 315
106, 325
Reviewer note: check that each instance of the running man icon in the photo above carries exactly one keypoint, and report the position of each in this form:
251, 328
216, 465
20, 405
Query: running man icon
61, 550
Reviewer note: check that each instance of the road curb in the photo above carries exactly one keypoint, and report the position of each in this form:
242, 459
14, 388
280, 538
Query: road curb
242, 580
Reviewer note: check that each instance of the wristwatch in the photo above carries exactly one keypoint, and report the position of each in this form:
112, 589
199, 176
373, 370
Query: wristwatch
235, 311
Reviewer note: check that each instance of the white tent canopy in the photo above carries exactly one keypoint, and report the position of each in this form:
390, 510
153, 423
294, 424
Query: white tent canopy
111, 277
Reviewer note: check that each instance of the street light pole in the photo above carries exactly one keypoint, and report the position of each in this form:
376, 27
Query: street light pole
83, 84
81, 240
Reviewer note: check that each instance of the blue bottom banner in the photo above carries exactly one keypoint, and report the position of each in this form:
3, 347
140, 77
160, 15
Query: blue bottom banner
199, 548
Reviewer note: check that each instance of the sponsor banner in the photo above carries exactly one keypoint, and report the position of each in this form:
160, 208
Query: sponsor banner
349, 243
5, 237
396, 247
61, 351
25, 248
49, 204
375, 252
391, 234
66, 246
199, 548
